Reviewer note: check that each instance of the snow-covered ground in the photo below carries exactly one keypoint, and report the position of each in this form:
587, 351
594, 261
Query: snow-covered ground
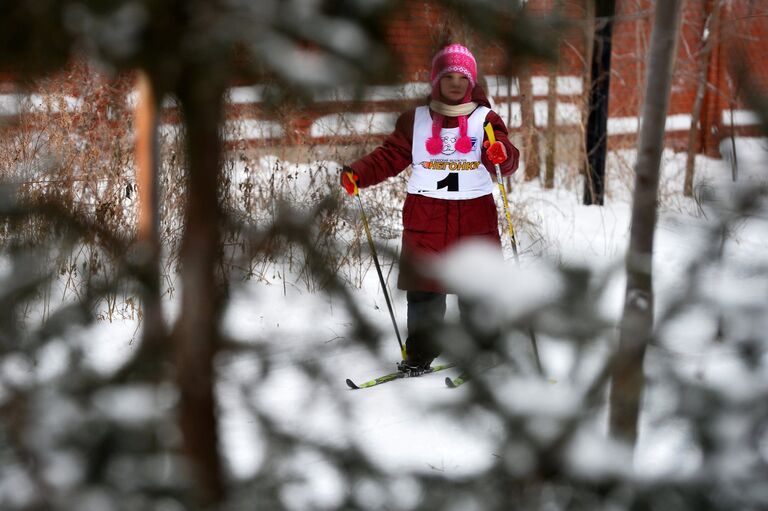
400, 424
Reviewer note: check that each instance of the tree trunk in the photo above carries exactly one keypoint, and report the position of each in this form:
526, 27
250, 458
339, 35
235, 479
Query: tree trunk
549, 164
597, 122
732, 106
530, 148
146, 154
195, 336
636, 328
549, 172
586, 84
510, 94
713, 14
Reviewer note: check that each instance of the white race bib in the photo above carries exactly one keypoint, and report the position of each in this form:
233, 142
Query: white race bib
451, 174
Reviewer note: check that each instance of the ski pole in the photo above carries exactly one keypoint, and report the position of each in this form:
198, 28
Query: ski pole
511, 230
376, 263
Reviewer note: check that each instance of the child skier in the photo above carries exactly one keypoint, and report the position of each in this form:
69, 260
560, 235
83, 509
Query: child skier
449, 195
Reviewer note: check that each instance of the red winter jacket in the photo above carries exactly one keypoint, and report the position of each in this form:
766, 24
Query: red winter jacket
430, 226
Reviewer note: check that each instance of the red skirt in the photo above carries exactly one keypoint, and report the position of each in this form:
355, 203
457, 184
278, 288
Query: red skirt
433, 226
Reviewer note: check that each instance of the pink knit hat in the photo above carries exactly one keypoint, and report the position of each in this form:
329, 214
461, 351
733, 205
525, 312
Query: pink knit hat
453, 58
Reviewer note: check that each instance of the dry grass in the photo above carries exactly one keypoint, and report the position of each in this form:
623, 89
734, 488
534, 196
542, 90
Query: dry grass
79, 153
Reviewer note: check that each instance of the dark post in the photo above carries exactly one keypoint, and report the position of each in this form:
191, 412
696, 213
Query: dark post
597, 122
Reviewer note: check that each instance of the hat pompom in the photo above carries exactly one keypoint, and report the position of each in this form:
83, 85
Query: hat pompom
434, 145
464, 144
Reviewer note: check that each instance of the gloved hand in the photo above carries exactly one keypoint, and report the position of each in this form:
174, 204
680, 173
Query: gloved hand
349, 180
496, 152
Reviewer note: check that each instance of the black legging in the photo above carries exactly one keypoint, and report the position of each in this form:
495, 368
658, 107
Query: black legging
426, 315
426, 312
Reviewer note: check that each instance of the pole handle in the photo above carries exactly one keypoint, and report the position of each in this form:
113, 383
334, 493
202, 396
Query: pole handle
489, 132
351, 176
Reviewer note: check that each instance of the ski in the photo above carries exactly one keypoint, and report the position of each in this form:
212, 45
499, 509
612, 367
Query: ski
395, 376
461, 379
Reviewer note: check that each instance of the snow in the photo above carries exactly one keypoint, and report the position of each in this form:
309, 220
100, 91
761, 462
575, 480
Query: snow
9, 104
408, 90
403, 426
400, 425
569, 85
740, 118
565, 85
106, 349
12, 104
251, 129
482, 273
623, 125
353, 124
245, 94
502, 85
540, 85
135, 404
565, 113
511, 113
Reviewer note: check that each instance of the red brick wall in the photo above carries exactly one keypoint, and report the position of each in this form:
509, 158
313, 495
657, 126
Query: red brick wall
743, 29
412, 32
416, 30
